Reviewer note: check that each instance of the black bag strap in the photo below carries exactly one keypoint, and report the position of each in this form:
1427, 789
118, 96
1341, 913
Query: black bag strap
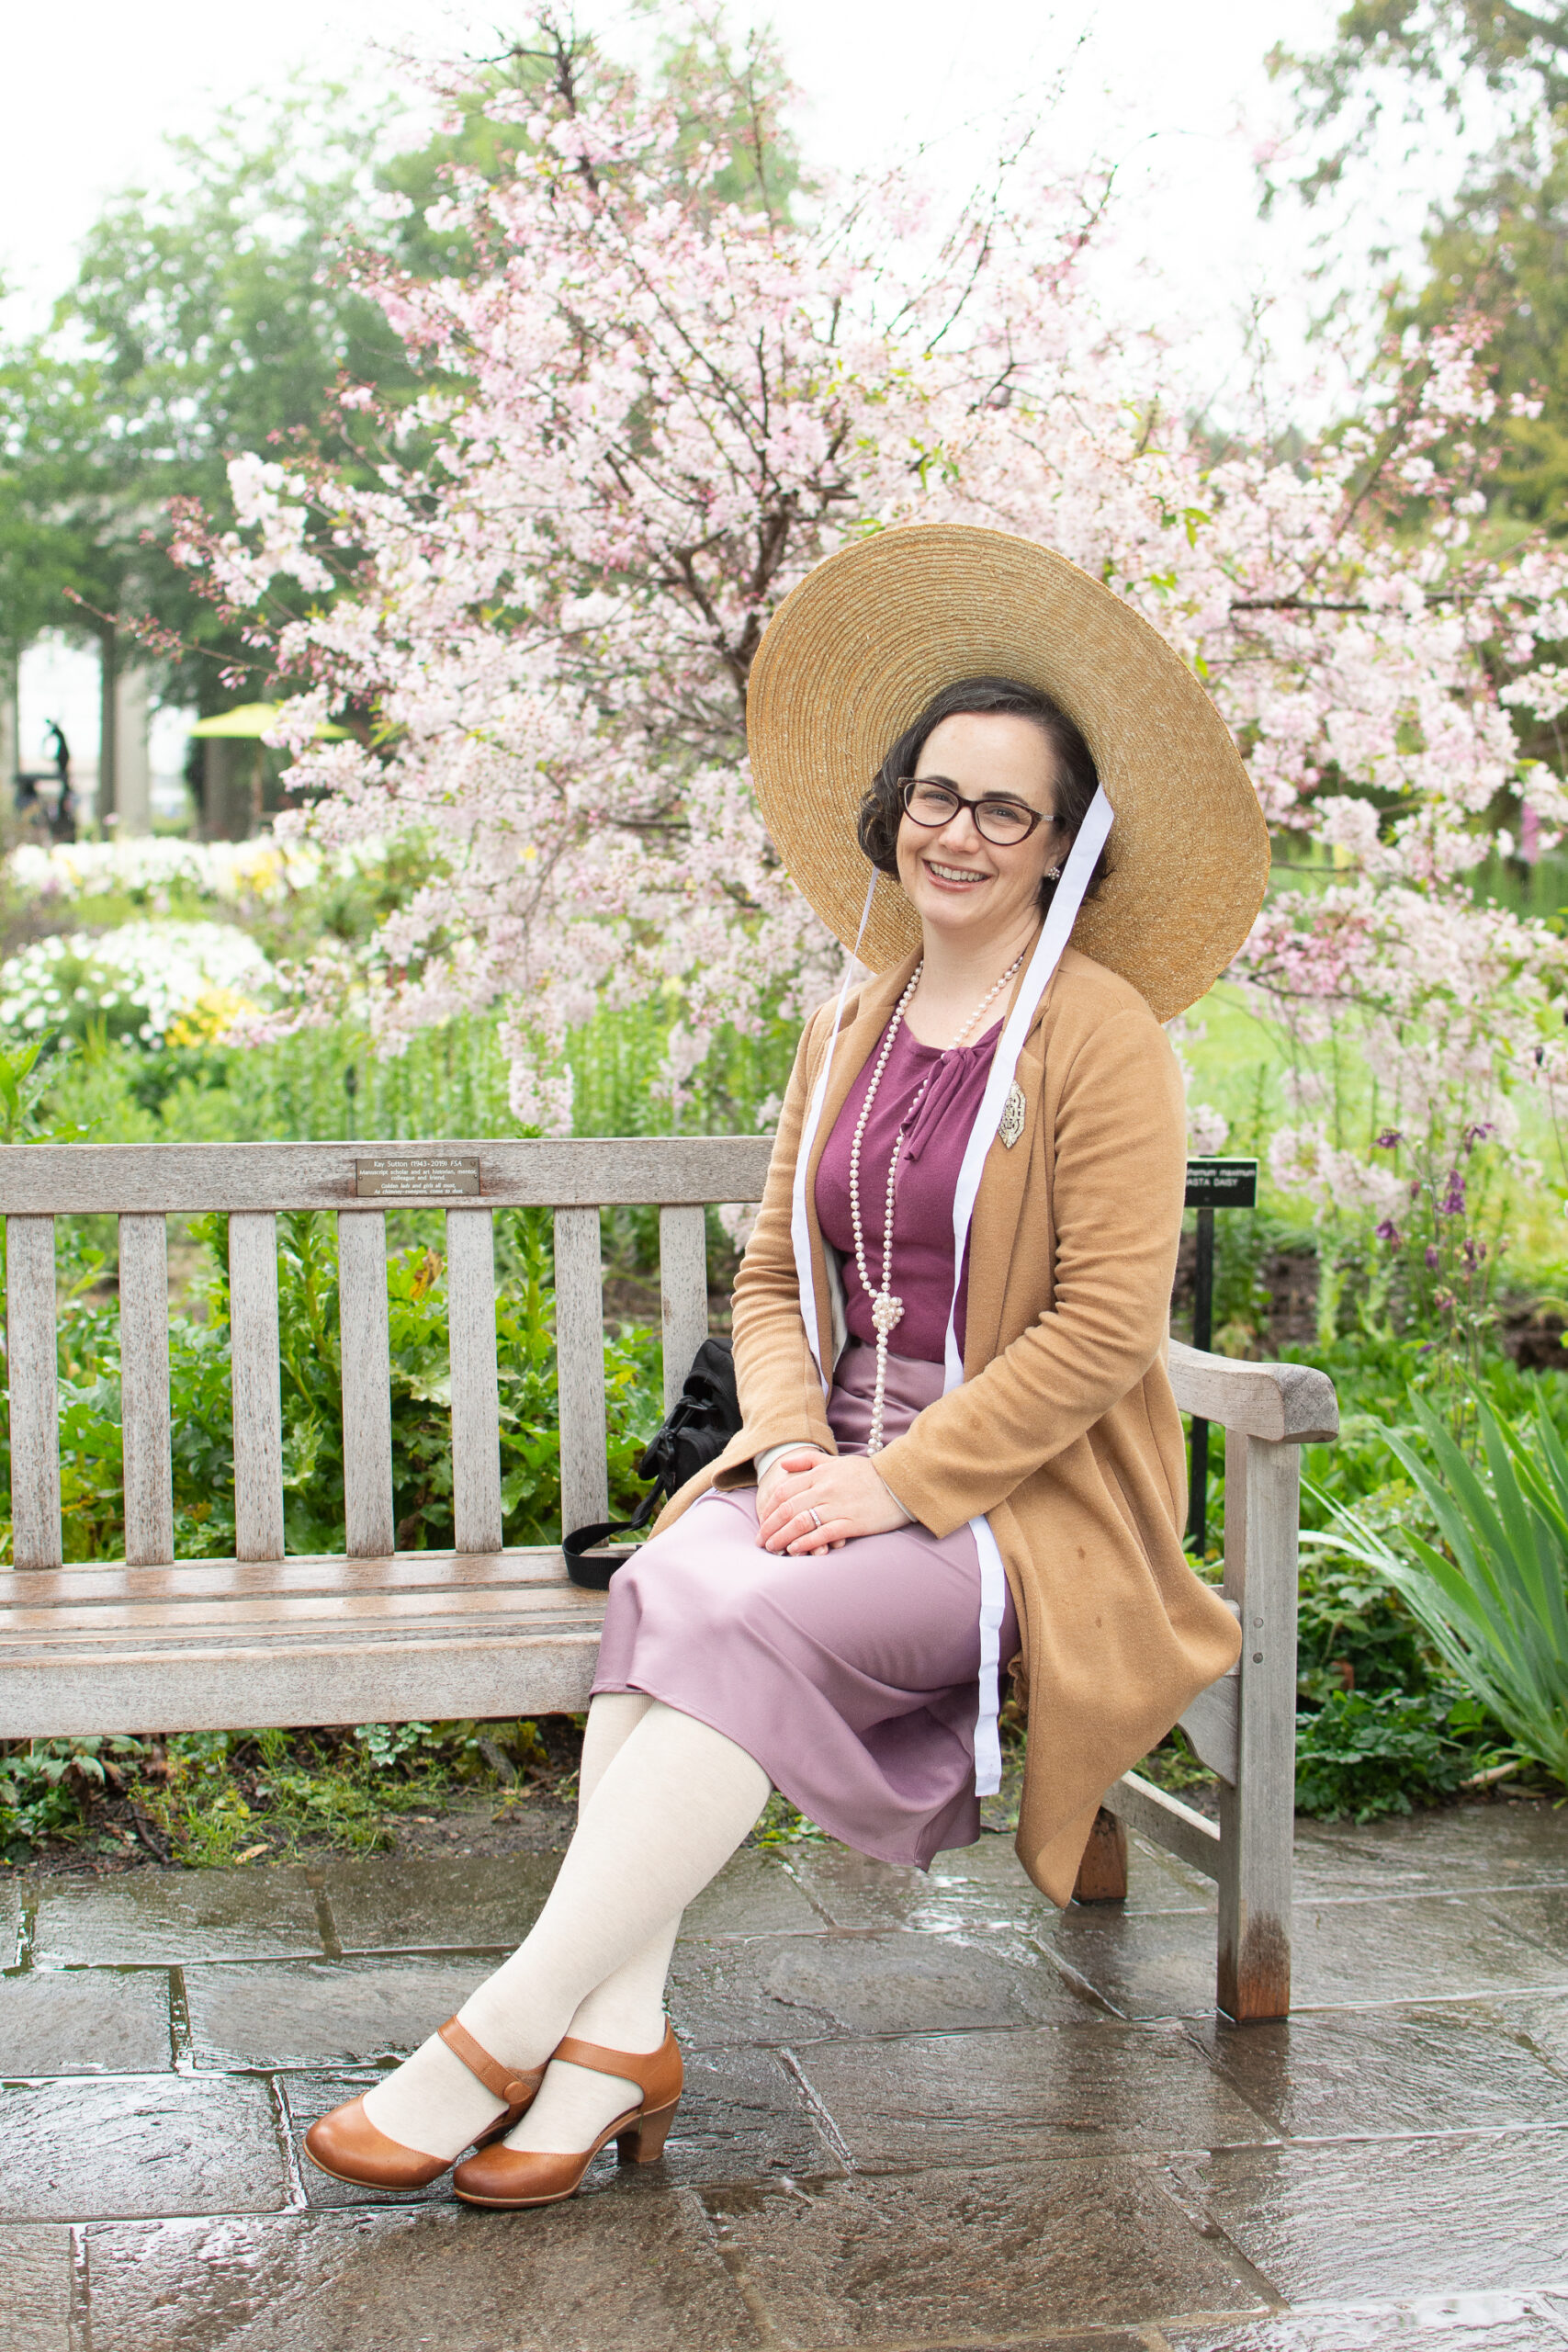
594, 1575
705, 1416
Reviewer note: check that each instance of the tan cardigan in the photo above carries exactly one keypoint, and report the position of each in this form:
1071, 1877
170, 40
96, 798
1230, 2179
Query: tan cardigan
1065, 1431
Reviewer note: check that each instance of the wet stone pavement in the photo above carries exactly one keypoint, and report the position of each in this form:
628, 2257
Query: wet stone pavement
919, 2113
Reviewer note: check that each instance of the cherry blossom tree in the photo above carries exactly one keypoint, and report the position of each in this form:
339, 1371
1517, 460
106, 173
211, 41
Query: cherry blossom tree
652, 409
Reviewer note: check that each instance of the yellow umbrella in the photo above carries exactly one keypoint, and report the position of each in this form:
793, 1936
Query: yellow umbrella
253, 719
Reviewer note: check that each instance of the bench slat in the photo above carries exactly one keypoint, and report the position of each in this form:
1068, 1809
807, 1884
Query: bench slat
257, 1390
407, 1675
1154, 1813
579, 1369
144, 1390
528, 1565
1212, 1725
476, 1403
183, 1178
108, 1619
684, 1289
35, 1399
366, 1383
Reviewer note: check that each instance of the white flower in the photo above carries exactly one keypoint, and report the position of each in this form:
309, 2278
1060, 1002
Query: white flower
166, 970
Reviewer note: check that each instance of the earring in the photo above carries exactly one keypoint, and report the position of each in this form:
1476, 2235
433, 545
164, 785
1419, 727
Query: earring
1053, 873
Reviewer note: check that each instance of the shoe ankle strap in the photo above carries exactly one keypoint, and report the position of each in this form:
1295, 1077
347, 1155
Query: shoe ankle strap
647, 2069
508, 2084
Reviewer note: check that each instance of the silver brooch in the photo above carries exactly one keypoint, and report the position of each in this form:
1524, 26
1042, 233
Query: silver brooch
1011, 1125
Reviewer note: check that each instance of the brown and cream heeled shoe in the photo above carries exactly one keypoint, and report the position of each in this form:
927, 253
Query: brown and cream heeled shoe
516, 2177
346, 2144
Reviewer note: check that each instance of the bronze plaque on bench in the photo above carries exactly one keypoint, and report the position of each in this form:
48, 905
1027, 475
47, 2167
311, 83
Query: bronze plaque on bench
420, 1176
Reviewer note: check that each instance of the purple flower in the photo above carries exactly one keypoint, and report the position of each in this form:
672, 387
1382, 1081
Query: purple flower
1415, 1188
1389, 1232
1390, 1139
1433, 1259
1452, 1202
1473, 1135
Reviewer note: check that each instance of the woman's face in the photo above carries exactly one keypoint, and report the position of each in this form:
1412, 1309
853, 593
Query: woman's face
960, 883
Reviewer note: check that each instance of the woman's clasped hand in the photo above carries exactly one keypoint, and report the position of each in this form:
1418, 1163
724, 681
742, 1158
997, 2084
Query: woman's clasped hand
811, 1502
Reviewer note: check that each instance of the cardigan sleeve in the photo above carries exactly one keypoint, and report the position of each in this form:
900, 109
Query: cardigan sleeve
780, 1393
1116, 1191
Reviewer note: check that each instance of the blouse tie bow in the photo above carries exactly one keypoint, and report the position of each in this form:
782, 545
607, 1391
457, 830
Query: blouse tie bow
947, 1080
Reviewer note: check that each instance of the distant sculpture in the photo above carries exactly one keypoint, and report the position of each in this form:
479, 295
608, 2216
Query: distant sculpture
48, 812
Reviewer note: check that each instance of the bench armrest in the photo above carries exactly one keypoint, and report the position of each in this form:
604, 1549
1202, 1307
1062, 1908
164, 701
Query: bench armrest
1291, 1402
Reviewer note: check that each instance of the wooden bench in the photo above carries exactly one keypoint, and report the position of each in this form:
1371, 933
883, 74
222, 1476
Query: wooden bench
482, 1630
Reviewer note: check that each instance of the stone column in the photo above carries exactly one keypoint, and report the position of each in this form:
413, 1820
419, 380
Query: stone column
10, 729
226, 795
108, 714
133, 750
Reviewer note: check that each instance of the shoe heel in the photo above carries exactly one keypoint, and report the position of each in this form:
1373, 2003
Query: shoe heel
642, 2143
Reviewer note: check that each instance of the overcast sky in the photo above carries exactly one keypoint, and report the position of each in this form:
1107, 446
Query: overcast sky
1176, 96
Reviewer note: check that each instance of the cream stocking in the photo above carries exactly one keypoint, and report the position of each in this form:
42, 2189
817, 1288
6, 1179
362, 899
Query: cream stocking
665, 1802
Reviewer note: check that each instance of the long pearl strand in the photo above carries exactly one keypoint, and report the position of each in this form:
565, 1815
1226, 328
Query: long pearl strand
885, 1310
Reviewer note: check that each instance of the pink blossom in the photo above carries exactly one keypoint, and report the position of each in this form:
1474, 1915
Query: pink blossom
649, 415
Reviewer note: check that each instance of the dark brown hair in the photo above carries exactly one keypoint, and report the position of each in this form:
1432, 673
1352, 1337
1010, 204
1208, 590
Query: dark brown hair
1077, 779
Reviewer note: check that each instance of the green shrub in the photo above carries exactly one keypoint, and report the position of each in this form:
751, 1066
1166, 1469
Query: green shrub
200, 1398
1363, 1754
1355, 1632
1495, 1601
47, 1786
206, 1799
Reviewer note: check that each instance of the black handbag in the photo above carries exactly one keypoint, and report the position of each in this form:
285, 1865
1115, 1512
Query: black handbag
706, 1415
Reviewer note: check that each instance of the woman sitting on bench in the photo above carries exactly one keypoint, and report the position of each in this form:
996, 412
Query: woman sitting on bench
960, 1447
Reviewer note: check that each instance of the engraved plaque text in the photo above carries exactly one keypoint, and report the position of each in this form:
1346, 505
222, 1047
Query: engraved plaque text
422, 1176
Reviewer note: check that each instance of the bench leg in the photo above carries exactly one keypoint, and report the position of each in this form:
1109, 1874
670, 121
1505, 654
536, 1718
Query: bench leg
1102, 1873
1258, 1815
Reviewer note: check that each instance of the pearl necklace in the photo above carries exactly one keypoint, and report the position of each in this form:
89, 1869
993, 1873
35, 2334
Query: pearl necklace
885, 1310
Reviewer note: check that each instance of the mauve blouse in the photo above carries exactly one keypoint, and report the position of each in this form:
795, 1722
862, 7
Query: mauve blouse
928, 1177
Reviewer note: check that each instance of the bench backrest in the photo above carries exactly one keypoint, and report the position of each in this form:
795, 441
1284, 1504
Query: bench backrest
143, 1185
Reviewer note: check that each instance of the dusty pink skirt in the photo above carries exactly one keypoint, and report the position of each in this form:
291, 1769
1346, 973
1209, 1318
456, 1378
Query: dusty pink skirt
852, 1676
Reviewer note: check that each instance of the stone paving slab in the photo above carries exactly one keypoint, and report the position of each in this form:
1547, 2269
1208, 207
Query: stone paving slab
1350, 1954
1475, 2213
90, 2021
914, 2119
298, 2013
479, 1901
169, 1917
776, 1989
1540, 1917
1460, 1848
753, 1895
983, 1885
35, 2286
1037, 2091
138, 2145
1347, 2074
1434, 2323
953, 2253
600, 2274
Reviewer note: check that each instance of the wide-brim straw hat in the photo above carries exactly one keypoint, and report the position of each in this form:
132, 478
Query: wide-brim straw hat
853, 655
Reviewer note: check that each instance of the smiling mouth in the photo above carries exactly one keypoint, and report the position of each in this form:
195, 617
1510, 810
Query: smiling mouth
955, 873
